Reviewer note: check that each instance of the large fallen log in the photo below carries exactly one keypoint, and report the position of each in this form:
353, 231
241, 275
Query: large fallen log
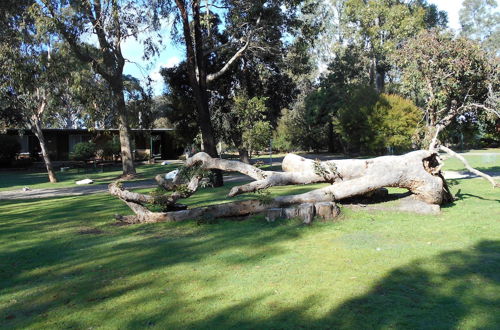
417, 171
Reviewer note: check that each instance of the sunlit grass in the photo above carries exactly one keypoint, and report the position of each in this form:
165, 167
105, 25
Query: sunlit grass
64, 264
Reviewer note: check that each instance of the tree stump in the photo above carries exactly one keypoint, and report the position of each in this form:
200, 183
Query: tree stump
306, 212
327, 210
274, 213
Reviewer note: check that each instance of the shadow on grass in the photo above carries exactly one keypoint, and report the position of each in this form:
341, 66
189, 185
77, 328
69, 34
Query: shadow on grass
434, 293
131, 276
40, 179
54, 265
461, 196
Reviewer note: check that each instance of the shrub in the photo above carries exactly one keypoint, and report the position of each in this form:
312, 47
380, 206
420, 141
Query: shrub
285, 135
372, 123
9, 148
395, 121
111, 148
84, 151
22, 163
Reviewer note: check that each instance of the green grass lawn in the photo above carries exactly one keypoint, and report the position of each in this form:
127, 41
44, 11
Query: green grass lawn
64, 264
12, 180
486, 162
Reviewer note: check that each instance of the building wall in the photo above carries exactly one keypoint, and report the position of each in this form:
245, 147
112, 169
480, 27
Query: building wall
62, 142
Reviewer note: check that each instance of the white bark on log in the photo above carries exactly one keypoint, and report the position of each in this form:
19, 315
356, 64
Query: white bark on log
306, 212
416, 171
327, 210
264, 179
137, 198
274, 213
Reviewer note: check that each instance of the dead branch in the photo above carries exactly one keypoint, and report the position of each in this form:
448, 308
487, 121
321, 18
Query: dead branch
470, 168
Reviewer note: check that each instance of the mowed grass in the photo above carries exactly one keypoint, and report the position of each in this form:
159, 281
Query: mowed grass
12, 180
65, 264
482, 162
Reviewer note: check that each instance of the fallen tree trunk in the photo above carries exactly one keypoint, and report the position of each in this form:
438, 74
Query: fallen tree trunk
417, 171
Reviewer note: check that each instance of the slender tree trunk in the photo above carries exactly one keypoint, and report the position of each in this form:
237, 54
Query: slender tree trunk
198, 79
36, 128
243, 153
208, 135
380, 80
123, 128
331, 142
373, 71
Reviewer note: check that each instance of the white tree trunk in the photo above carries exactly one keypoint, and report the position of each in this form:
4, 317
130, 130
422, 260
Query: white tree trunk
417, 171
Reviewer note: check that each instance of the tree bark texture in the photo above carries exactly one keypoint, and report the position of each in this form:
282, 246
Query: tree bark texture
36, 128
124, 130
198, 77
417, 171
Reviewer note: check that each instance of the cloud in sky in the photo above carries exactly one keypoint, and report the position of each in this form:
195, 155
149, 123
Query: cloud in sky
156, 78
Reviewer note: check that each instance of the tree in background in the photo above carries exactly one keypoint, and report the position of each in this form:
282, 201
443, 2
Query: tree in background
30, 81
453, 76
111, 22
259, 70
481, 22
383, 25
255, 130
395, 122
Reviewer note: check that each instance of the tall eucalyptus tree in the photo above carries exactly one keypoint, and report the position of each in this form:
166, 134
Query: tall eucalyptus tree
110, 23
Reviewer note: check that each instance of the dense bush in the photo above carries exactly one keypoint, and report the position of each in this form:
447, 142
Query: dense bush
395, 122
373, 123
9, 148
289, 133
84, 151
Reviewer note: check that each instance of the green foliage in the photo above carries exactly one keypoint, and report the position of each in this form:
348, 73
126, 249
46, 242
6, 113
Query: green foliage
286, 137
264, 197
9, 148
84, 151
186, 173
372, 123
160, 199
384, 25
352, 121
395, 121
451, 76
111, 148
480, 20
255, 130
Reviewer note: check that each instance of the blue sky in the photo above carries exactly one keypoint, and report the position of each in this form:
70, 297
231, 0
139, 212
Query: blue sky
171, 54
